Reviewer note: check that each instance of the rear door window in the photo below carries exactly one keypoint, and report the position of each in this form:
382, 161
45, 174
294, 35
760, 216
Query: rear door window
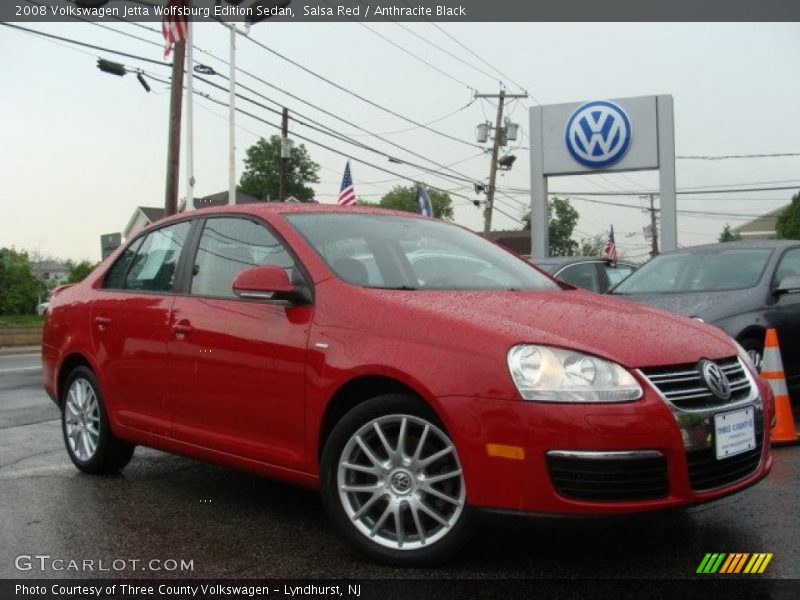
583, 275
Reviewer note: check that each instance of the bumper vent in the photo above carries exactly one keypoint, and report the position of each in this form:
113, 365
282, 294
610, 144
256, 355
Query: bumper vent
683, 385
708, 473
609, 476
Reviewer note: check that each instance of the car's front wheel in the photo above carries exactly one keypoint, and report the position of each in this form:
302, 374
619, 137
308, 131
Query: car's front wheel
393, 483
90, 443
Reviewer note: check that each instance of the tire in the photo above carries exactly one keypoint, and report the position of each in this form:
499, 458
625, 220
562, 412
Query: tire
755, 349
90, 443
401, 519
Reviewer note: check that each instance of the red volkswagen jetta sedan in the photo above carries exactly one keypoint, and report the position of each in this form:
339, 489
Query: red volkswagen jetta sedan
415, 373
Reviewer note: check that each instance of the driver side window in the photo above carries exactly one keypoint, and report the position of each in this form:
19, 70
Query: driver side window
789, 266
229, 246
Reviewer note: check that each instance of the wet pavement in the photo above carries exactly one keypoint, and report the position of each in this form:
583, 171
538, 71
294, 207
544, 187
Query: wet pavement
233, 524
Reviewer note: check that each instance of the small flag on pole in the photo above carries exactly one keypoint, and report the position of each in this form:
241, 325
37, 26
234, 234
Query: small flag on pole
347, 195
174, 25
424, 202
610, 250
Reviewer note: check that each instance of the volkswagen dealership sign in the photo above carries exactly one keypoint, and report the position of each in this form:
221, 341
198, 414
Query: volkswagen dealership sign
598, 134
602, 136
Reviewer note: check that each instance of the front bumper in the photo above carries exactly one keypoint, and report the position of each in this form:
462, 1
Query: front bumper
524, 482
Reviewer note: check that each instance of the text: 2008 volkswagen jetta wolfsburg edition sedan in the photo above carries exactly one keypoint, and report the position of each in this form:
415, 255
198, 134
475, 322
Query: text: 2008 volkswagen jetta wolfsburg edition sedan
414, 372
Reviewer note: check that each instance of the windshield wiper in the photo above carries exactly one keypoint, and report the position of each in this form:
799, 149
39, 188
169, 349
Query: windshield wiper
399, 287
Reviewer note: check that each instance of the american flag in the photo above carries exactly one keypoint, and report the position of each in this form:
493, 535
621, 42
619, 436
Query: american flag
347, 195
610, 250
175, 24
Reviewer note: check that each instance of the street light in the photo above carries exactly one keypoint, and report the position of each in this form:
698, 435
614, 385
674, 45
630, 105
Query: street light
120, 70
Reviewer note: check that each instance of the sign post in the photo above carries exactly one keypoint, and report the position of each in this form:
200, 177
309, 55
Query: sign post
603, 136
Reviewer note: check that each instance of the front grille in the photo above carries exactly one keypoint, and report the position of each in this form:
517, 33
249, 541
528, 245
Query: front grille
615, 479
684, 387
707, 473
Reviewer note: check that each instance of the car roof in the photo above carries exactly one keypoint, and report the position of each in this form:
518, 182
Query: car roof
749, 244
569, 260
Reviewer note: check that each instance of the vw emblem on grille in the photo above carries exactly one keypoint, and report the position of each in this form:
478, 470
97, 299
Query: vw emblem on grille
716, 380
598, 134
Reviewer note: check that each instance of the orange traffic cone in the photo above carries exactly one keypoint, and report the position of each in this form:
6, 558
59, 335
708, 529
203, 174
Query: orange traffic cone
784, 431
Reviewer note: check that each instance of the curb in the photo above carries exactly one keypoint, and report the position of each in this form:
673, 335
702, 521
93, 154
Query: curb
8, 350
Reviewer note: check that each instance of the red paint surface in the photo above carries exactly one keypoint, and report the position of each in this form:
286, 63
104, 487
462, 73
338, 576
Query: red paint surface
242, 383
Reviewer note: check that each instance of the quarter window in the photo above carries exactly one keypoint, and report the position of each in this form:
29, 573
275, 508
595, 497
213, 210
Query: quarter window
153, 268
229, 246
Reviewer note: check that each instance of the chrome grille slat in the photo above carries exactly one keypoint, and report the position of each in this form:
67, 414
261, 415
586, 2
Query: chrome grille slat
684, 387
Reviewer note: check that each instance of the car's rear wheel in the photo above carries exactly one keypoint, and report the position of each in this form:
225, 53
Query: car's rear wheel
393, 483
90, 443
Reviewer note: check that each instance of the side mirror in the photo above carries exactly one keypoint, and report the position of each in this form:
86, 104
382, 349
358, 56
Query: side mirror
788, 285
263, 283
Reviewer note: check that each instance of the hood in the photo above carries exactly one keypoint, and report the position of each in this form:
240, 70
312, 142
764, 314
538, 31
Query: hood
709, 306
627, 333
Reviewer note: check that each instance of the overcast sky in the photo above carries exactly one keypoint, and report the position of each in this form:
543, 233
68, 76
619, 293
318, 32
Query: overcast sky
84, 149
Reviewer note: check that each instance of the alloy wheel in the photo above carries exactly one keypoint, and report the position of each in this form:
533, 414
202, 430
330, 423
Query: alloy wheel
400, 482
82, 419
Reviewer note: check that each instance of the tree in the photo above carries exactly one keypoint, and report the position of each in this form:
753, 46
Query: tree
562, 219
728, 235
79, 271
261, 177
592, 246
19, 287
788, 225
405, 198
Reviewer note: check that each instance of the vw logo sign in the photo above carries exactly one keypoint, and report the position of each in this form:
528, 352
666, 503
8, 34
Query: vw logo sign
716, 380
598, 134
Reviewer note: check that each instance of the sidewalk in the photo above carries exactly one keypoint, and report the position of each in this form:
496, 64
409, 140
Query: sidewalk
7, 350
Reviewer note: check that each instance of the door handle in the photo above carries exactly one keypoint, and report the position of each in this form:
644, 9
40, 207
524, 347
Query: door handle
102, 322
182, 328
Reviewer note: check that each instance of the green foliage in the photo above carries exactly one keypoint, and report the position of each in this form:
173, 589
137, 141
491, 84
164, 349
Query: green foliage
405, 198
562, 221
788, 224
261, 177
79, 271
19, 287
592, 246
728, 235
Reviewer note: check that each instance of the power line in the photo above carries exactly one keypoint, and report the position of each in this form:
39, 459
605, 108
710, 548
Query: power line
359, 96
734, 156
321, 127
522, 191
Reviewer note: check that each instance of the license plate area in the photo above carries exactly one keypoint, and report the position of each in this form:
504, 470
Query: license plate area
734, 432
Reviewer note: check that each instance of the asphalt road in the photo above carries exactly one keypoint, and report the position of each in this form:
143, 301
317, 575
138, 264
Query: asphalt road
233, 524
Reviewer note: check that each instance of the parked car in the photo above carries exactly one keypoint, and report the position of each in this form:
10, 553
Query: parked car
588, 272
744, 288
417, 399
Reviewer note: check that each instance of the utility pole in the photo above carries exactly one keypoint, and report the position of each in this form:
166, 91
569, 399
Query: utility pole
286, 151
190, 115
232, 119
653, 225
498, 140
174, 142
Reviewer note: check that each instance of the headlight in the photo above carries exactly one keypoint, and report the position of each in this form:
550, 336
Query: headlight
549, 374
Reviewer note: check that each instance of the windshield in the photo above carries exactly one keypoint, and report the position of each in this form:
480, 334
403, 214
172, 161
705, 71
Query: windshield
388, 251
702, 271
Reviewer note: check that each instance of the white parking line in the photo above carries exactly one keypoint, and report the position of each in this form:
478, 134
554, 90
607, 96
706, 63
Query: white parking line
18, 369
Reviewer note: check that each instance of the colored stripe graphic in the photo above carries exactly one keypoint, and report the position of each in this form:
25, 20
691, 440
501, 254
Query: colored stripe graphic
735, 562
